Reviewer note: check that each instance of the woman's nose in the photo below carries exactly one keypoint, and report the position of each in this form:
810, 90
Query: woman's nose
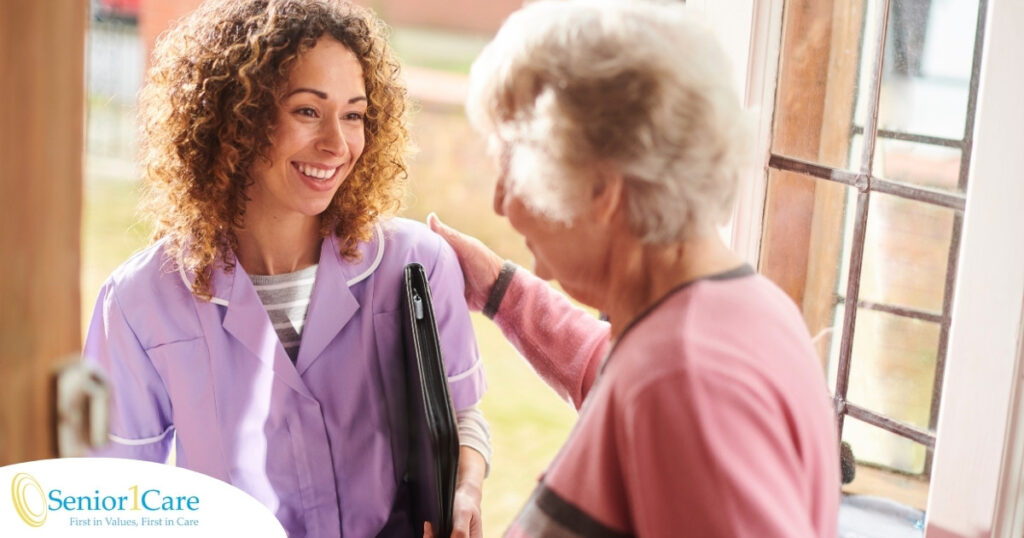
332, 138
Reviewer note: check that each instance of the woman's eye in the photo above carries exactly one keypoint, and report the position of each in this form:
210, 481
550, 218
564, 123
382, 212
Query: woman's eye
306, 111
354, 116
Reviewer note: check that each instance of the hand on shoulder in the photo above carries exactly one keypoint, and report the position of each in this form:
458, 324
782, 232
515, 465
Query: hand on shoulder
480, 265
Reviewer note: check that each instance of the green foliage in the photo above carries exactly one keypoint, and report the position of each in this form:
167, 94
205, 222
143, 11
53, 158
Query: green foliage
436, 49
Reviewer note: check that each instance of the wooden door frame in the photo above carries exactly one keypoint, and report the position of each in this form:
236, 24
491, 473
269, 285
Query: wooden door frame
42, 100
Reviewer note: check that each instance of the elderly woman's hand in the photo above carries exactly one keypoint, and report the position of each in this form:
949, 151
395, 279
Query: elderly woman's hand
480, 265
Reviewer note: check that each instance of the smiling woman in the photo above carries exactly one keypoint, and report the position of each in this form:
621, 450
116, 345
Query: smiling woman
260, 331
317, 140
213, 115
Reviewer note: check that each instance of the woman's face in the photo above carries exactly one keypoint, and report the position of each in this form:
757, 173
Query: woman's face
317, 137
574, 254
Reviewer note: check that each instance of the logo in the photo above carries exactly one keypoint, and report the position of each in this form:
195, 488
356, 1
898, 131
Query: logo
120, 498
25, 489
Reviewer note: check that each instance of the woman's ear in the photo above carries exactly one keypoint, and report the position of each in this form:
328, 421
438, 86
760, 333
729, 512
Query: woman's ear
607, 195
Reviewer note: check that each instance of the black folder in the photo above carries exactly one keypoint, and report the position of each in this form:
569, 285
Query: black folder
433, 433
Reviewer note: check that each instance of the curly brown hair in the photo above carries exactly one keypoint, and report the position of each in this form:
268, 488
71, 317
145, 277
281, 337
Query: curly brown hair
207, 111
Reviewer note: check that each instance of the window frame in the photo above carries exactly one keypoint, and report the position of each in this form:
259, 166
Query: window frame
977, 484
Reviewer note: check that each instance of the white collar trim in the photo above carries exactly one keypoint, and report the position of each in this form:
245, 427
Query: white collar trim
352, 281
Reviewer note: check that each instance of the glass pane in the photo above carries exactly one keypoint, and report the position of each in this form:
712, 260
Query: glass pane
927, 165
824, 47
803, 244
906, 252
909, 490
882, 448
927, 74
891, 373
892, 370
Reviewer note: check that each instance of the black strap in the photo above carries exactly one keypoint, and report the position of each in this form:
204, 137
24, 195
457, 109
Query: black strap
508, 269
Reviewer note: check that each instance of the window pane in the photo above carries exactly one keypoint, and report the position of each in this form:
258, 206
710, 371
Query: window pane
820, 78
927, 165
892, 373
803, 245
911, 490
906, 253
927, 72
892, 366
829, 72
882, 448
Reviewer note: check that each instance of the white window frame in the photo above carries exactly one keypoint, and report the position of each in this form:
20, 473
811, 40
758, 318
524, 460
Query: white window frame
977, 481
977, 460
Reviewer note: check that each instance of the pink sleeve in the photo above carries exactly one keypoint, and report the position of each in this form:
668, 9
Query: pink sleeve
562, 342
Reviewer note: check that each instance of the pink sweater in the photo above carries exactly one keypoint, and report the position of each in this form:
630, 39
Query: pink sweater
710, 419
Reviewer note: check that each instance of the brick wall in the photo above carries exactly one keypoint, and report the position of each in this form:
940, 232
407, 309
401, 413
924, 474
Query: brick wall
479, 16
155, 16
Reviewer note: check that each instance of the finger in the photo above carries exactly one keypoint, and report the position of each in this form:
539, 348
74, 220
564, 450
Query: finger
460, 526
465, 246
454, 237
437, 226
428, 531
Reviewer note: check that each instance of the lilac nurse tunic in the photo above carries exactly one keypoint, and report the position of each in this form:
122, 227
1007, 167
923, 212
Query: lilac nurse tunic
320, 441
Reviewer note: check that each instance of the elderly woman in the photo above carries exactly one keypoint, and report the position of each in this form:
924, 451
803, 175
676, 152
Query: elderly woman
260, 332
702, 407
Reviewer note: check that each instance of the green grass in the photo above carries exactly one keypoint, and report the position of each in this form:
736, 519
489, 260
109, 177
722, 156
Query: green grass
449, 175
528, 424
436, 49
111, 232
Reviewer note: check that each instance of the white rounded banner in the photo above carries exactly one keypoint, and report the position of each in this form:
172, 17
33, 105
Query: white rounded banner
85, 497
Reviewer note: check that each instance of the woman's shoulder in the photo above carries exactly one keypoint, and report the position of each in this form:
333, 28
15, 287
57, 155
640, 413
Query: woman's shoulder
398, 242
403, 241
147, 274
408, 241
408, 232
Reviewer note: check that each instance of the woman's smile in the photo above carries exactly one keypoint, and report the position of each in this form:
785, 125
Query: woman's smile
317, 138
316, 171
319, 178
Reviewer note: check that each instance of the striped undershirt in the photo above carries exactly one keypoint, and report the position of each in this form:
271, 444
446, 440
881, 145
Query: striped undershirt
286, 299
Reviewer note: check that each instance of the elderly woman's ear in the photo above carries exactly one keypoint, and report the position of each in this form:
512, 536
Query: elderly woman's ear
607, 196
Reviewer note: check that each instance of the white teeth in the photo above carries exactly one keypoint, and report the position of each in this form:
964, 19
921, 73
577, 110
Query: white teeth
318, 173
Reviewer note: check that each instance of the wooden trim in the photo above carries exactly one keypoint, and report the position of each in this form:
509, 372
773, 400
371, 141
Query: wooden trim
803, 218
813, 110
799, 112
42, 98
827, 220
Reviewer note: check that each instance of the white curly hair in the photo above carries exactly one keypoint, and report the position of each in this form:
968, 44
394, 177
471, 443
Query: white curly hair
568, 86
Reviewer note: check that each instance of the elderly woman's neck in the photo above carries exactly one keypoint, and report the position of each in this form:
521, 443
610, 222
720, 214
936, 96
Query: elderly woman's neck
270, 247
644, 274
